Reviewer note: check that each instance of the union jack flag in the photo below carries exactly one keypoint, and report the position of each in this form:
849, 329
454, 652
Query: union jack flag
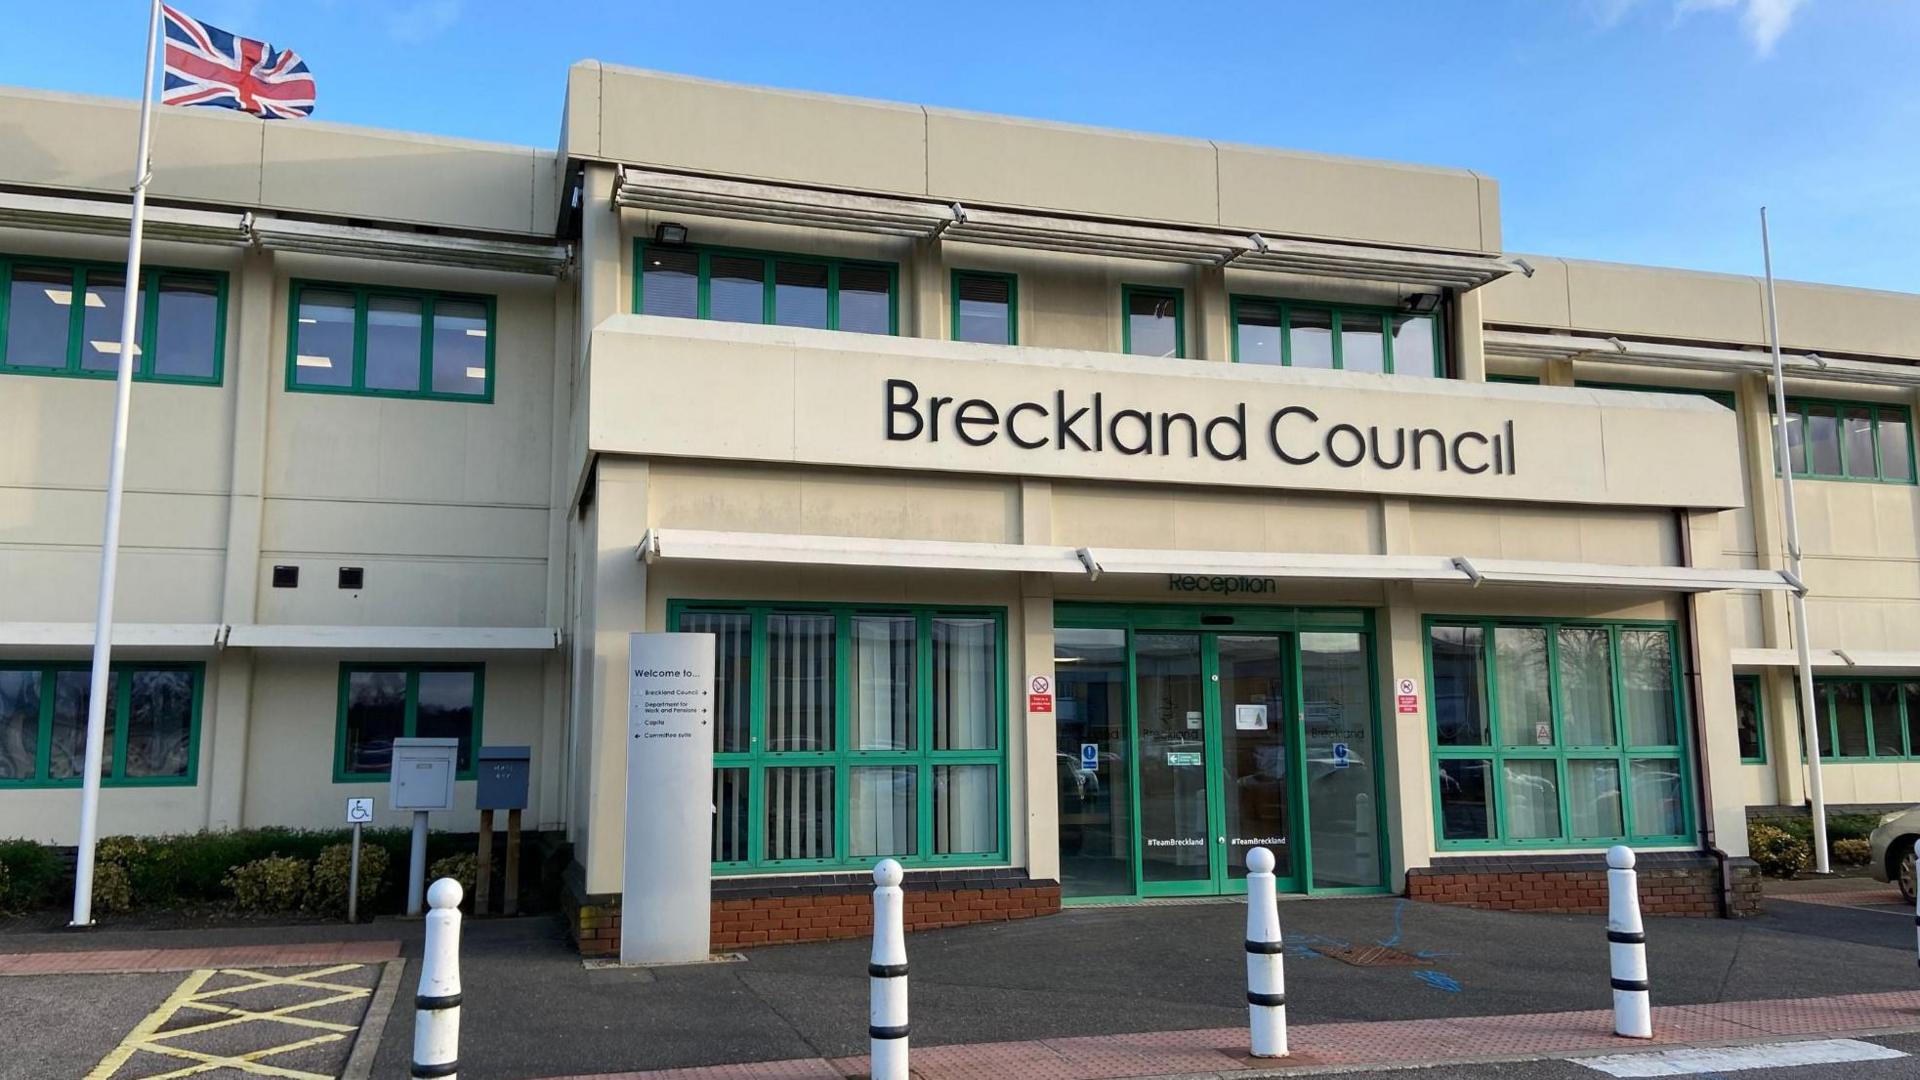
206, 65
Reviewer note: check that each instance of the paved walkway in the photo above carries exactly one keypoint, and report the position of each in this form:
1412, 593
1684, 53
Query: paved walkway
132, 961
1318, 1046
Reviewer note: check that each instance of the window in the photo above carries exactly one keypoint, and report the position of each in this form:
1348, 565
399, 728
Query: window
355, 339
1718, 397
1842, 440
765, 287
1749, 719
1310, 334
1866, 719
62, 318
43, 724
985, 307
1155, 321
1556, 734
1516, 380
846, 734
383, 702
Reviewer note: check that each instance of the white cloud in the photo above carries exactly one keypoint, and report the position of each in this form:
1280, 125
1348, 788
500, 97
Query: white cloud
1762, 20
422, 20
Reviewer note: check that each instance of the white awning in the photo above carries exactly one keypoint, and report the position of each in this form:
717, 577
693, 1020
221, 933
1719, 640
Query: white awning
1853, 659
652, 189
62, 214
408, 639
79, 635
1613, 350
802, 550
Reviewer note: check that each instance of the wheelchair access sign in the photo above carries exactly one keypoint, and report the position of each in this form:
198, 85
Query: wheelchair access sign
359, 811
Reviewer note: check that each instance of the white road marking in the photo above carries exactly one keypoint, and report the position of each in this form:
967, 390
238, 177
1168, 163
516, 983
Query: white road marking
1735, 1058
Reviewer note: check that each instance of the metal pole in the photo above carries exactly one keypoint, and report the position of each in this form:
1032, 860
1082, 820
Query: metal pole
417, 864
1797, 599
353, 878
97, 693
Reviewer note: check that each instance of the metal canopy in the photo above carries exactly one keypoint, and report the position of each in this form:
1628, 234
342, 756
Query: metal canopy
1093, 562
652, 189
394, 638
1613, 350
98, 217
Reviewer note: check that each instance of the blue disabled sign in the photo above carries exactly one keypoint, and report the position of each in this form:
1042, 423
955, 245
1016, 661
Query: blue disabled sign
1341, 755
1089, 757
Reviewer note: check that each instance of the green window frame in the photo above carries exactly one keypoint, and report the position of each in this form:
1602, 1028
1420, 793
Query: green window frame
1559, 754
153, 279
742, 778
705, 255
344, 773
1718, 397
1898, 741
45, 678
1749, 698
1179, 298
1284, 309
1890, 466
363, 296
1012, 282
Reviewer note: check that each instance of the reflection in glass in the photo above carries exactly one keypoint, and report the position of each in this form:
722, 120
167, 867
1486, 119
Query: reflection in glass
1593, 798
1856, 431
964, 708
966, 809
1253, 747
800, 813
186, 339
799, 682
866, 299
883, 670
800, 294
1746, 714
1586, 686
19, 723
736, 289
1341, 776
1153, 323
1257, 330
1850, 718
460, 347
1173, 758
1657, 806
393, 343
323, 339
1413, 346
1520, 678
670, 282
732, 674
39, 310
100, 330
1090, 711
1823, 440
1310, 338
376, 715
1797, 443
1466, 799
67, 750
881, 814
730, 815
1646, 680
985, 311
159, 722
1896, 450
1361, 346
1532, 800
1883, 700
1459, 685
444, 710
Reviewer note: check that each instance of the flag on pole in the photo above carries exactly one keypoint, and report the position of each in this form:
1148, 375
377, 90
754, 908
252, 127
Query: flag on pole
206, 65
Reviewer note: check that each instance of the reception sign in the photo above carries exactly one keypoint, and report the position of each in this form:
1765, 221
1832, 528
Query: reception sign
664, 912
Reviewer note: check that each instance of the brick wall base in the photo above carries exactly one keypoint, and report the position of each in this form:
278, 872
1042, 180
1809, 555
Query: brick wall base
822, 907
1671, 883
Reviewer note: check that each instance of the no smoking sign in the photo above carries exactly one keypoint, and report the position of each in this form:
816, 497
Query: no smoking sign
1040, 694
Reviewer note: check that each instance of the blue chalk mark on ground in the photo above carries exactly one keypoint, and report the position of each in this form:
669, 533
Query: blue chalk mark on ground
1438, 980
1399, 912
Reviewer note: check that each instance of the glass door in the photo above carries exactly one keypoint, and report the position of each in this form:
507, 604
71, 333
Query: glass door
1177, 837
1093, 770
1256, 749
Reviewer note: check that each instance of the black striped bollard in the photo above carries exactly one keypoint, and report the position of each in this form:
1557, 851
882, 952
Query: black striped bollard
887, 978
1266, 981
1627, 946
436, 1018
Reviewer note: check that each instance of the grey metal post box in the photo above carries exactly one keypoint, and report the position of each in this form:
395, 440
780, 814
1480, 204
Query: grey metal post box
423, 774
503, 777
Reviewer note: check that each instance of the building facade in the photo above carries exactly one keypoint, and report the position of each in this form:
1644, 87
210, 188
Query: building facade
1072, 509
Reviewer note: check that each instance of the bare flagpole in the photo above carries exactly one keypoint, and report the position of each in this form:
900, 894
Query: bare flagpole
1809, 734
98, 692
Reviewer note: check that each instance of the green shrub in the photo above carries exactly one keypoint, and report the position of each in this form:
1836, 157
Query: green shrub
112, 889
277, 883
1853, 851
327, 890
32, 875
463, 868
1779, 853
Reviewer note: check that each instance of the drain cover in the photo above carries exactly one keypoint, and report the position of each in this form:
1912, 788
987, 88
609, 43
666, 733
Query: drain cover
1371, 956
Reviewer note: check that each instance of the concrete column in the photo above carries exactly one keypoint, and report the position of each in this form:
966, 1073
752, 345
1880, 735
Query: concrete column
927, 315
550, 775
1712, 691
1406, 757
1033, 655
1469, 339
1211, 317
620, 599
601, 275
252, 369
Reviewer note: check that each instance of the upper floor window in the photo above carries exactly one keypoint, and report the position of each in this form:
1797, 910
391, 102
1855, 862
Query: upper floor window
1308, 334
1849, 440
353, 339
984, 307
152, 729
63, 318
1156, 321
761, 287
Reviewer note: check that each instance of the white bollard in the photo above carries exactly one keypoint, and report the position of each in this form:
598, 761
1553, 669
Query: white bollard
436, 1018
1266, 981
1627, 946
1916, 909
887, 977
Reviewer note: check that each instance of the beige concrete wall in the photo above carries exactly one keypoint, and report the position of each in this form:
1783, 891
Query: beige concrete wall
80, 144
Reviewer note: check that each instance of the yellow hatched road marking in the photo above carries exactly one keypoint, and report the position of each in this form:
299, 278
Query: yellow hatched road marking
192, 994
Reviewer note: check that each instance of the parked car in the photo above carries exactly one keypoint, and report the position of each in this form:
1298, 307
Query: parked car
1892, 858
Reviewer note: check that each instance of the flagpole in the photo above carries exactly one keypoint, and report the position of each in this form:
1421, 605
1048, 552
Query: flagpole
98, 692
1809, 734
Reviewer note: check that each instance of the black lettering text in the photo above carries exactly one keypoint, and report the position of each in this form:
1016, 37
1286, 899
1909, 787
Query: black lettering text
1273, 434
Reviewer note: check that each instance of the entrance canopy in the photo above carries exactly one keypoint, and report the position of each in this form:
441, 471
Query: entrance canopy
803, 550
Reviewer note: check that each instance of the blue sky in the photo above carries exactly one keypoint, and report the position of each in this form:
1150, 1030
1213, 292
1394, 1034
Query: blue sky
1633, 130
